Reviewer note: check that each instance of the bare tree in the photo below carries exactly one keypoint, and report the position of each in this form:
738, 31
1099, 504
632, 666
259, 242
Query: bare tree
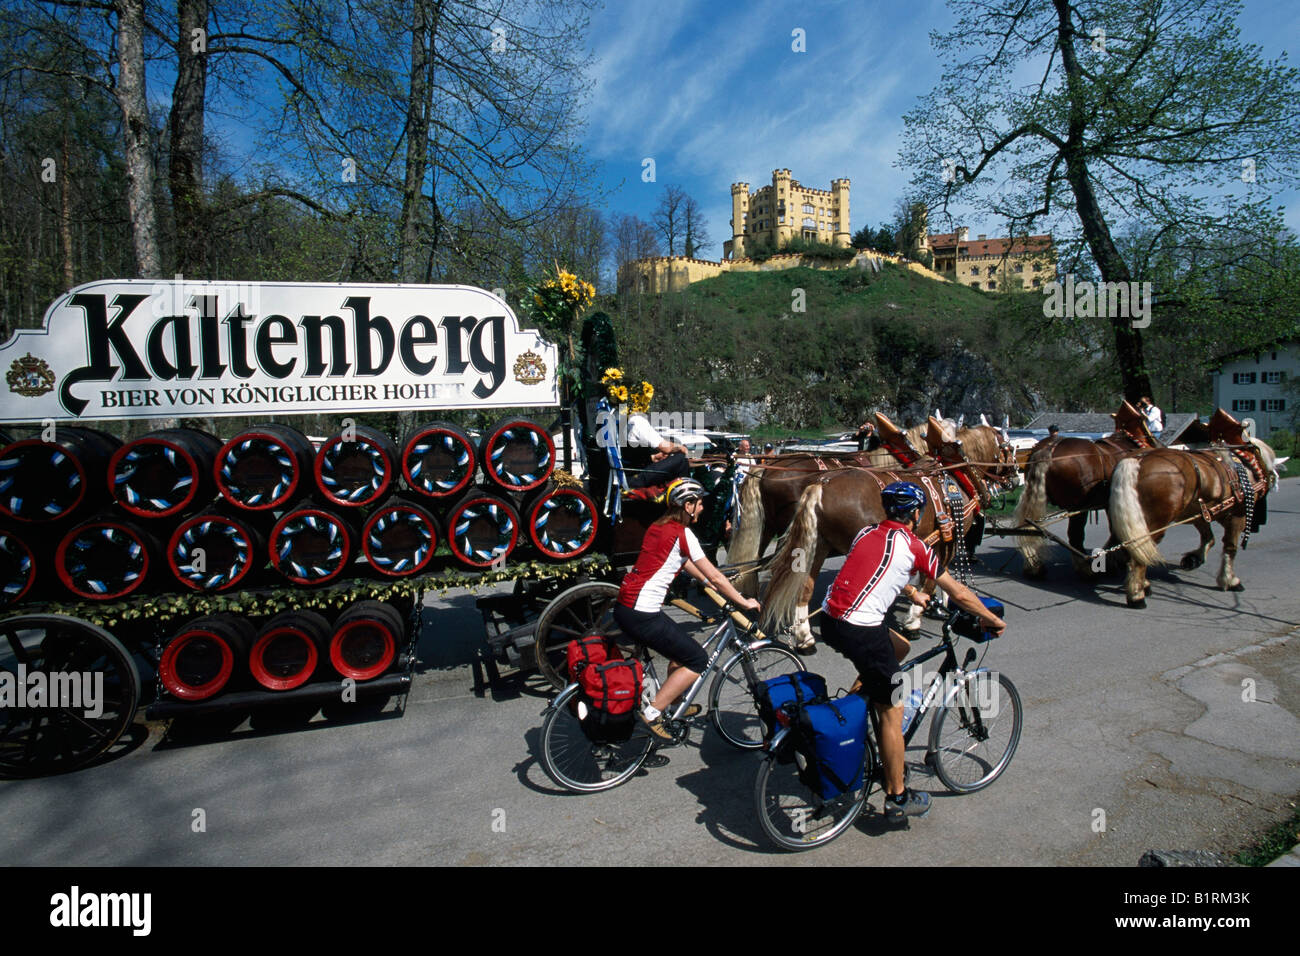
695, 233
670, 217
633, 238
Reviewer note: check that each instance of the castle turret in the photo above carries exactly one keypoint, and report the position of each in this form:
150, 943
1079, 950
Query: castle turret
784, 206
739, 212
840, 190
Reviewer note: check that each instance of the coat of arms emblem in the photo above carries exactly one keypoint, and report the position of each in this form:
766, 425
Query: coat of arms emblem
30, 376
529, 368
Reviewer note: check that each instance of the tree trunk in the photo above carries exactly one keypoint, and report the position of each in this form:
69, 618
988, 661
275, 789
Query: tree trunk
1128, 341
65, 216
134, 104
419, 107
185, 172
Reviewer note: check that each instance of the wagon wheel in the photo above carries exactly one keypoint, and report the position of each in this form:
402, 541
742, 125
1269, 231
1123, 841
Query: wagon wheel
579, 611
51, 724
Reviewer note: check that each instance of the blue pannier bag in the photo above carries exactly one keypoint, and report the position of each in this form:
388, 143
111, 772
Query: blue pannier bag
797, 688
833, 736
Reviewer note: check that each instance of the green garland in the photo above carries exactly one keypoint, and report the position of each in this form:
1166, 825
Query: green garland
166, 607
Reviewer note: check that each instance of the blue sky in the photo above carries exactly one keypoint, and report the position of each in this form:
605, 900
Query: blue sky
692, 84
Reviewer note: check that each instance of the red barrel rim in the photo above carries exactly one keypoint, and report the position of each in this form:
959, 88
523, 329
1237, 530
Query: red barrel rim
327, 516
558, 492
451, 524
171, 679
31, 577
81, 472
361, 674
416, 485
270, 681
487, 457
199, 519
414, 569
274, 440
122, 452
343, 502
66, 578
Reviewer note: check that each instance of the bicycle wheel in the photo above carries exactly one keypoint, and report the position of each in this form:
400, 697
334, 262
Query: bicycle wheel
576, 762
731, 699
975, 734
795, 818
581, 610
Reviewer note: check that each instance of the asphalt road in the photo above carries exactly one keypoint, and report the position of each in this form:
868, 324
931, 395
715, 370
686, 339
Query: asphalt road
1138, 714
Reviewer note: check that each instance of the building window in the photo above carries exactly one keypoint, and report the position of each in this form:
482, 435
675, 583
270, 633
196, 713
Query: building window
993, 270
1244, 378
810, 223
993, 285
1243, 404
1274, 378
1037, 282
974, 285
808, 209
1020, 267
1275, 404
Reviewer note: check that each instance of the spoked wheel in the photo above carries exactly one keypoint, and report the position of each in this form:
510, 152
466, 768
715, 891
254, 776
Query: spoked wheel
974, 736
793, 816
575, 613
732, 704
576, 762
72, 691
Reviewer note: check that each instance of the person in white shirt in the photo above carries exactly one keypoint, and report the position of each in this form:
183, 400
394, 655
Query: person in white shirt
651, 458
1155, 417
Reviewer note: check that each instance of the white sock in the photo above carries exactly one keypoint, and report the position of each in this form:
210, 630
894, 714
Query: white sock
652, 713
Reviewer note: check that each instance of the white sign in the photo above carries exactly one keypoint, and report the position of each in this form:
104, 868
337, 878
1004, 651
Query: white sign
132, 348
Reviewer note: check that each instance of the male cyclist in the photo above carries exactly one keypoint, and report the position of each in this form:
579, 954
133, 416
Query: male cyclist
880, 561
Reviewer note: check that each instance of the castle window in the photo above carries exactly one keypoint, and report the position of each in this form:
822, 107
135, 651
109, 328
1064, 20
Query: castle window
993, 285
808, 210
810, 224
993, 270
1020, 267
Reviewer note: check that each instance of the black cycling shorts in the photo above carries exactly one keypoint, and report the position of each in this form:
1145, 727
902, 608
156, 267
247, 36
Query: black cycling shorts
872, 652
659, 632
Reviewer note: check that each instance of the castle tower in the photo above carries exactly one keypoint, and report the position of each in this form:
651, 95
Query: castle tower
840, 190
739, 210
784, 206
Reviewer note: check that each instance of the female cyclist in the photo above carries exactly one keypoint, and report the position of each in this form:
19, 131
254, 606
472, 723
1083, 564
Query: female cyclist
670, 545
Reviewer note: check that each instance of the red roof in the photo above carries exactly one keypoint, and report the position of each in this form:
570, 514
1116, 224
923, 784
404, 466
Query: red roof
947, 241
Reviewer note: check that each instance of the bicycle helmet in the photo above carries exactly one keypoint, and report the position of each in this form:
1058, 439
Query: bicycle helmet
901, 499
683, 490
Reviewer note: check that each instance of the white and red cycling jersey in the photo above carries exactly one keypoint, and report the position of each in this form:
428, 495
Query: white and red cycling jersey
664, 551
880, 561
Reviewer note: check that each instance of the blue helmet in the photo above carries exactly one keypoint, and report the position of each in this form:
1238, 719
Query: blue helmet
901, 499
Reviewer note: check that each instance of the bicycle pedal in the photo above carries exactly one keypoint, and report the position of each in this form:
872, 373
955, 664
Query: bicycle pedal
656, 760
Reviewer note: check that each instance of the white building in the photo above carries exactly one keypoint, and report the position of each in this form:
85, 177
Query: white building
1258, 383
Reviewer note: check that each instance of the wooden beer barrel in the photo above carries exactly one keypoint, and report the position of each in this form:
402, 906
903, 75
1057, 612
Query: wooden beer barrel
438, 460
206, 656
400, 538
482, 529
288, 650
561, 522
44, 481
165, 472
265, 468
214, 551
106, 558
356, 472
366, 640
312, 544
517, 455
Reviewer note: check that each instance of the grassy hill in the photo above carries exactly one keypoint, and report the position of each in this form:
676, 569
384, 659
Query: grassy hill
810, 348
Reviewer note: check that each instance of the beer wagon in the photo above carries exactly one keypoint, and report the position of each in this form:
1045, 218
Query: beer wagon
74, 504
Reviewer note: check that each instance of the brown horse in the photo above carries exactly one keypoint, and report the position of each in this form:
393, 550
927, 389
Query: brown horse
834, 508
1167, 486
1074, 474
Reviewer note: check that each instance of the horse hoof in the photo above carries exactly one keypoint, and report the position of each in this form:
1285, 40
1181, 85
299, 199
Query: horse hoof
805, 650
1139, 604
1237, 587
1146, 588
1035, 574
1189, 563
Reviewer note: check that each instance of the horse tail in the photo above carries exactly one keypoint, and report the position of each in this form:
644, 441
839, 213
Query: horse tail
748, 534
1033, 505
786, 586
1127, 521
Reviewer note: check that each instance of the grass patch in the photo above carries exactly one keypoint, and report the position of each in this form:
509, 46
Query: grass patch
1279, 839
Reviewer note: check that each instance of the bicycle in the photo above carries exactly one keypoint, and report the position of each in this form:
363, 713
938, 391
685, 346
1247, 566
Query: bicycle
578, 763
972, 739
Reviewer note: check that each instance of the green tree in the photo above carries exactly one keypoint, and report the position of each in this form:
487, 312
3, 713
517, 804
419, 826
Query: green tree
1140, 110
